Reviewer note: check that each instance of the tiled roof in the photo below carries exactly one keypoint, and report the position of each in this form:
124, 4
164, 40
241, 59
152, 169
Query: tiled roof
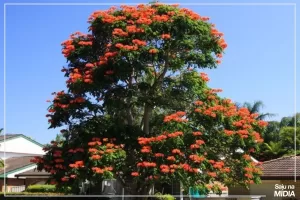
15, 163
281, 168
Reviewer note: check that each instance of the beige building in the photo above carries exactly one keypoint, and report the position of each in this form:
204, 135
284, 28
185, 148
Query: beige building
278, 180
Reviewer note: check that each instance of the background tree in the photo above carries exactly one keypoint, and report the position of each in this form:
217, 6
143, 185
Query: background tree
134, 93
256, 107
287, 137
272, 132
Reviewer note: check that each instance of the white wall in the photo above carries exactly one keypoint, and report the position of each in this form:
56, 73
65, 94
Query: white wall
19, 147
267, 187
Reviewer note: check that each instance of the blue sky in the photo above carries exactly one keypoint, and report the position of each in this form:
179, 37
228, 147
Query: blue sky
258, 63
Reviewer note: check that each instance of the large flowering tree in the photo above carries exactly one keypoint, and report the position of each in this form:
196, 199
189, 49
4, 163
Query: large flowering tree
137, 108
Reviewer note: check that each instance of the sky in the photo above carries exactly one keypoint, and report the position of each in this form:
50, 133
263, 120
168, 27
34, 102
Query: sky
258, 63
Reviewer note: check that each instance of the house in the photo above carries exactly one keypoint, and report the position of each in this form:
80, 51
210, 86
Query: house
278, 180
19, 145
17, 150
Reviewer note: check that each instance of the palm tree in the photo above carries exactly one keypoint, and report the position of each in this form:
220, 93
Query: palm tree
256, 108
274, 150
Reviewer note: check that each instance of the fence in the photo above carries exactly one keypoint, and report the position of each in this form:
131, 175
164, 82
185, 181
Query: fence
17, 188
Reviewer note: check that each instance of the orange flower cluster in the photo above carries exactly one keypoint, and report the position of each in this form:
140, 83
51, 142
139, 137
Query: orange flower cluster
146, 149
262, 123
59, 160
197, 133
135, 174
247, 157
218, 165
196, 158
222, 43
212, 174
76, 150
164, 168
85, 43
161, 18
256, 137
200, 142
139, 42
228, 132
119, 32
68, 47
98, 170
194, 146
60, 166
159, 155
144, 20
146, 164
165, 36
134, 29
171, 158
204, 77
65, 179
192, 14
226, 170
57, 153
77, 164
94, 143
198, 103
177, 117
145, 141
176, 151
175, 134
37, 159
93, 150
188, 168
216, 33
153, 51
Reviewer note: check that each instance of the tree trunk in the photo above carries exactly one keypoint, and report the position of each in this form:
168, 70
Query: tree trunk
146, 118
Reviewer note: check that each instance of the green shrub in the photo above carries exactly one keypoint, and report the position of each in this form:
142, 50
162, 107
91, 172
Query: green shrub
160, 196
41, 188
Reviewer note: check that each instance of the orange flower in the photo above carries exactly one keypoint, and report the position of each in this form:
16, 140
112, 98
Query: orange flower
165, 36
159, 155
212, 174
222, 43
65, 179
96, 157
165, 170
119, 45
262, 123
176, 151
197, 133
73, 176
119, 32
246, 157
92, 143
139, 42
194, 146
204, 77
135, 174
171, 158
200, 142
228, 133
153, 51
